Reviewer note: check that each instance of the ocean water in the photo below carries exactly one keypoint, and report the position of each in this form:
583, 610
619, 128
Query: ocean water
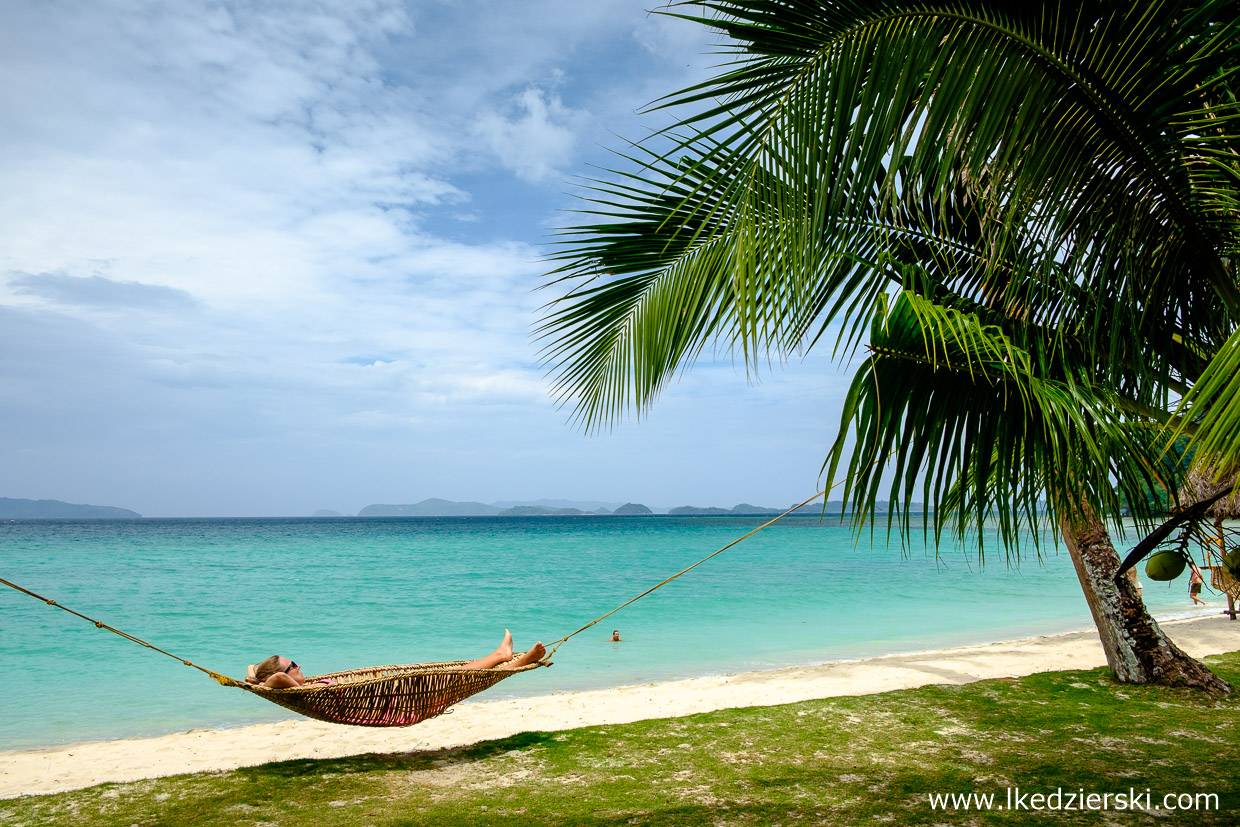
342, 593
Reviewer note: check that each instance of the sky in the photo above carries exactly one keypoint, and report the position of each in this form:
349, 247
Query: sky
265, 258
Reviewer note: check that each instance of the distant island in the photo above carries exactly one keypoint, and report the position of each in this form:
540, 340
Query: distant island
431, 508
571, 508
435, 507
587, 506
743, 509
13, 509
19, 509
541, 511
630, 509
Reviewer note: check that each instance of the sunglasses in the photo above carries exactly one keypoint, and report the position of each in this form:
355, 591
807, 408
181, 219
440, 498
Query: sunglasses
292, 664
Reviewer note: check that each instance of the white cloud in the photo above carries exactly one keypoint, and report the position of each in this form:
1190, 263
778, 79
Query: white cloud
672, 39
537, 138
244, 241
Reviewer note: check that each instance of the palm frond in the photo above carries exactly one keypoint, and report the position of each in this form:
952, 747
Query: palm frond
1213, 405
974, 429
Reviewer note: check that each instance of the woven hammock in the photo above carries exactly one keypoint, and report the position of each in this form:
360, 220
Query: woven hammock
383, 696
1222, 581
1220, 578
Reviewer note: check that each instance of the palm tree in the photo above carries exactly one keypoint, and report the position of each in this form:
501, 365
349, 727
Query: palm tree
1027, 216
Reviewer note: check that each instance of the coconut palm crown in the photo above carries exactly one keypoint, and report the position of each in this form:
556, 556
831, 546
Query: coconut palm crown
1025, 213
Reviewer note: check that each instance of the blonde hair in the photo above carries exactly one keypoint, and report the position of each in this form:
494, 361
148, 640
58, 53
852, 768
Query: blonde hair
267, 668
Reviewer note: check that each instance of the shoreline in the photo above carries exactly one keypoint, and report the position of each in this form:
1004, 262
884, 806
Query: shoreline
45, 770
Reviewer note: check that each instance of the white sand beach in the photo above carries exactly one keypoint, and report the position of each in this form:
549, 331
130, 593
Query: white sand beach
73, 766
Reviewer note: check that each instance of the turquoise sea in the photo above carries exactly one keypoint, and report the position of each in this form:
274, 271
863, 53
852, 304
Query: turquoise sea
346, 592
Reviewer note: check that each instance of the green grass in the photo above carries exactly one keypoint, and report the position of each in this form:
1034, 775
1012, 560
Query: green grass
863, 760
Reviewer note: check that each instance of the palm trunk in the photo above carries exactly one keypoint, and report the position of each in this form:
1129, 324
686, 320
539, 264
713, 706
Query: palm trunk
1136, 648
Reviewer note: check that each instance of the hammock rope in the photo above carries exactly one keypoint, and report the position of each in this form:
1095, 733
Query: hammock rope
396, 695
224, 680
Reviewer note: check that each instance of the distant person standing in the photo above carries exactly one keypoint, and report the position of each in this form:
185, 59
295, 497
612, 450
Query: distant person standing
615, 636
1194, 584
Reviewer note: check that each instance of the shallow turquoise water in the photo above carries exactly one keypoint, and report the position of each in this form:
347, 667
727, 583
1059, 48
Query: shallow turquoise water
342, 593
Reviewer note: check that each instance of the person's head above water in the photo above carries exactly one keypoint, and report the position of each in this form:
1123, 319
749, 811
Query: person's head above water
278, 665
615, 634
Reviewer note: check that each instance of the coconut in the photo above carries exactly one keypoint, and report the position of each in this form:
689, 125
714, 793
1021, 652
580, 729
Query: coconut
1165, 565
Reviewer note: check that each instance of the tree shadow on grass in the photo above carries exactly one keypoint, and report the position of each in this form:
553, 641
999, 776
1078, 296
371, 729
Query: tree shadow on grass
388, 761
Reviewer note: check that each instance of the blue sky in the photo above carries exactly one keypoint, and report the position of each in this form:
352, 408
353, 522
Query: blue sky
265, 258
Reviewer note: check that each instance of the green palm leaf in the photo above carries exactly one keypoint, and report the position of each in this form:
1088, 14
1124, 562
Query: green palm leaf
977, 431
1064, 178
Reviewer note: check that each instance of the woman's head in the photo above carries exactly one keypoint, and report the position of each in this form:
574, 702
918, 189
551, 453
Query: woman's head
275, 664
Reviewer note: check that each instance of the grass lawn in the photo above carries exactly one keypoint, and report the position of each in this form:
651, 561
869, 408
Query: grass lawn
865, 760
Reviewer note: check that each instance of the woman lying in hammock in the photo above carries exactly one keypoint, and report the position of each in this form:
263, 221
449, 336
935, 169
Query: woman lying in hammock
279, 673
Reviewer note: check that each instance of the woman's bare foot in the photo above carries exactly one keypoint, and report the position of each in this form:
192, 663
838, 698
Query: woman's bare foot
535, 654
503, 653
504, 650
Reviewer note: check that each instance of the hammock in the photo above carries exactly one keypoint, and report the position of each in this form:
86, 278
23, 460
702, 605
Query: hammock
1222, 580
385, 695
388, 696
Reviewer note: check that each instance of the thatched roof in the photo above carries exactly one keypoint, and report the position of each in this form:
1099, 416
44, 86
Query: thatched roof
1201, 484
